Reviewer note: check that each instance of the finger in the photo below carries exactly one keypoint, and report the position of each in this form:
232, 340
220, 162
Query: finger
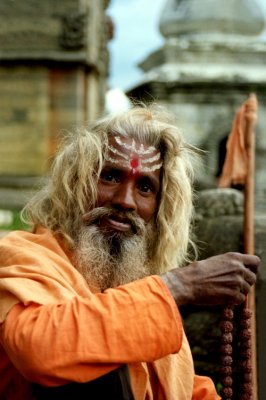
251, 262
240, 299
250, 277
245, 288
237, 299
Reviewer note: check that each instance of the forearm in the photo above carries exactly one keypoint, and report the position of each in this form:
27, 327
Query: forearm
83, 339
179, 287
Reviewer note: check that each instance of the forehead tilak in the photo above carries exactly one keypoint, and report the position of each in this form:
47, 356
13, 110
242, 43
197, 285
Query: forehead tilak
138, 157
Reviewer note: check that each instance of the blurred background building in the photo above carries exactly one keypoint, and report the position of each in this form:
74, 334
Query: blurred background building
212, 57
53, 75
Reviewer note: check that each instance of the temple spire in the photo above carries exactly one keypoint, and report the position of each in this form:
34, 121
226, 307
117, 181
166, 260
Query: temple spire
212, 19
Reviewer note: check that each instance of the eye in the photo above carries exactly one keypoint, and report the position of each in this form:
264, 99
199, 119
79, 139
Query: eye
110, 176
146, 187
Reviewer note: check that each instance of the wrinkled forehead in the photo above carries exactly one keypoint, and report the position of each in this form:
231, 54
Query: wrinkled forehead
129, 153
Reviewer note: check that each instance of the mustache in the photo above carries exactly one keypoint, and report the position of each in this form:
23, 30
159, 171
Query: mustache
95, 215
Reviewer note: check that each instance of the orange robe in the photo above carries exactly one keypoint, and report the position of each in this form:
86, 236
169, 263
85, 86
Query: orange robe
54, 330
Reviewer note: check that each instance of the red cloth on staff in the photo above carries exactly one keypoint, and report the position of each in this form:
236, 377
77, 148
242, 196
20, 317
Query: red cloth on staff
235, 166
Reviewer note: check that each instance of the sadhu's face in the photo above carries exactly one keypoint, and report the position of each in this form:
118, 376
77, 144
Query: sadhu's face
129, 181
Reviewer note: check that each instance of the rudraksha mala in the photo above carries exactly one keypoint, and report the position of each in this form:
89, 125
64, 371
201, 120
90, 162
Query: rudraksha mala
244, 365
226, 326
236, 329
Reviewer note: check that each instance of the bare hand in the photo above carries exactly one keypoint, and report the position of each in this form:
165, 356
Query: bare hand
218, 280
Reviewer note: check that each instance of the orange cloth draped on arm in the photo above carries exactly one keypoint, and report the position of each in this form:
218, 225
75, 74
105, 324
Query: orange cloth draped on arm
56, 330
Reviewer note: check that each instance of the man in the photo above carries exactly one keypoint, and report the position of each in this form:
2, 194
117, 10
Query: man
89, 300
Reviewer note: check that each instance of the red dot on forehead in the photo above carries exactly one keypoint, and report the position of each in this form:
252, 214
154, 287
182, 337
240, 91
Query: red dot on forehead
134, 162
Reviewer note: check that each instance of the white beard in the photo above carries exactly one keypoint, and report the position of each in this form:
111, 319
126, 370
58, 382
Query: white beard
109, 261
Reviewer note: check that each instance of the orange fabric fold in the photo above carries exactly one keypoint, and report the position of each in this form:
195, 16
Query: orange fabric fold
235, 165
204, 389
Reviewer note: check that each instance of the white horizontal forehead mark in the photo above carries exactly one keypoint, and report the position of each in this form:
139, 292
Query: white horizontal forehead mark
114, 150
132, 146
127, 164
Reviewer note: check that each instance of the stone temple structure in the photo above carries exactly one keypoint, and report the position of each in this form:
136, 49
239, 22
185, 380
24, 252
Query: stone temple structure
53, 72
213, 57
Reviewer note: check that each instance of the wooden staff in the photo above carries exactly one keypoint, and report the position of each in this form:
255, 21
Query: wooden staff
239, 168
251, 117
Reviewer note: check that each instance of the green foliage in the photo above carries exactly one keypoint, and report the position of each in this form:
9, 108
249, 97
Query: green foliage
219, 387
10, 220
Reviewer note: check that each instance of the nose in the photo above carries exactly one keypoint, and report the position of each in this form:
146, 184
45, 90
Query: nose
124, 197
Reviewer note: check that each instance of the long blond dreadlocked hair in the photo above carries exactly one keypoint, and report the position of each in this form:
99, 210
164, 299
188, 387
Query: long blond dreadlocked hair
72, 186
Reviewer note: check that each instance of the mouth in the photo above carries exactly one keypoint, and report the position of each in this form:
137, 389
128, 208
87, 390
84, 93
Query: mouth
115, 223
